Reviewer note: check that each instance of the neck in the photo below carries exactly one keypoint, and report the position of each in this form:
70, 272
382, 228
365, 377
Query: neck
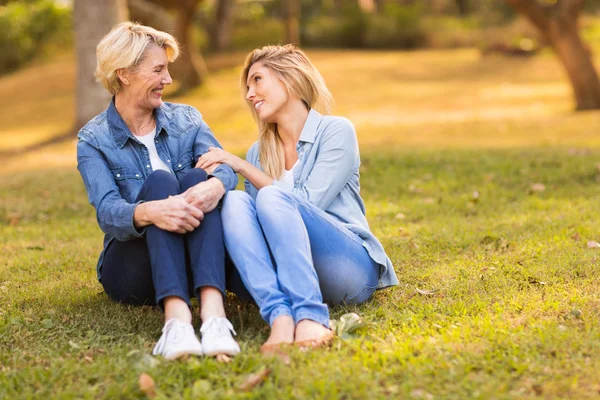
139, 120
290, 121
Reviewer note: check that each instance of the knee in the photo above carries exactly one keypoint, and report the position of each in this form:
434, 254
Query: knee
161, 184
269, 198
235, 203
192, 178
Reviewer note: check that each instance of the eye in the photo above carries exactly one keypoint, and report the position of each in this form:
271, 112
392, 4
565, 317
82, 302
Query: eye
157, 70
257, 78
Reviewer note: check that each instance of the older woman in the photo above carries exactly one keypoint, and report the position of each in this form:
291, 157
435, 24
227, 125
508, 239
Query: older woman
163, 236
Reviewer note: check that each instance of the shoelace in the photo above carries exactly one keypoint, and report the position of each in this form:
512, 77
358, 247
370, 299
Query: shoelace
217, 327
172, 332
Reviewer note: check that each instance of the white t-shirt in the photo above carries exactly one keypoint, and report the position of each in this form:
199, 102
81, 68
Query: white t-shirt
156, 162
288, 176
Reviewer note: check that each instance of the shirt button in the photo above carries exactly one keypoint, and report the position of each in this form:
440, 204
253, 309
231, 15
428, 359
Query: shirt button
156, 141
147, 166
137, 175
118, 175
168, 161
179, 165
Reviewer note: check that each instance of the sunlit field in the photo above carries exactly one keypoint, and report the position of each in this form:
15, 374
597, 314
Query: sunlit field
479, 179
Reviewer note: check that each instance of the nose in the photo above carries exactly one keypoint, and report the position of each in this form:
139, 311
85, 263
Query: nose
250, 95
166, 80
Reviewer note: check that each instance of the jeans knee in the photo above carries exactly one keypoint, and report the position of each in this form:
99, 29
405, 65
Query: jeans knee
268, 198
235, 203
192, 178
160, 184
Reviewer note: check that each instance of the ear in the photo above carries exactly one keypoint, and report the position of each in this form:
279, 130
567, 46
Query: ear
123, 75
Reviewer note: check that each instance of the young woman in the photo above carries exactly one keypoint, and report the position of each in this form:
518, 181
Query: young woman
298, 235
163, 235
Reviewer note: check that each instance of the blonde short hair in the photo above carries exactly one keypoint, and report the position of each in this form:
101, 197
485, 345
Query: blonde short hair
301, 77
124, 48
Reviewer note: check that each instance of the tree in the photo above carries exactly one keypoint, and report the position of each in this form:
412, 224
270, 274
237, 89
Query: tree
221, 29
189, 69
557, 23
463, 7
292, 21
93, 20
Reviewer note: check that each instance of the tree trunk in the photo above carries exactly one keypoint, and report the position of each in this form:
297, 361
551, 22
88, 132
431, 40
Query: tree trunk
93, 20
189, 69
577, 60
221, 32
463, 7
151, 14
292, 21
558, 24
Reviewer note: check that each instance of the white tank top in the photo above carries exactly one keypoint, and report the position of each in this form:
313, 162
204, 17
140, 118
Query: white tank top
155, 161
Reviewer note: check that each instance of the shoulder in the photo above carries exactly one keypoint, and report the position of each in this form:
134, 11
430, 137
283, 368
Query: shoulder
183, 116
337, 128
94, 129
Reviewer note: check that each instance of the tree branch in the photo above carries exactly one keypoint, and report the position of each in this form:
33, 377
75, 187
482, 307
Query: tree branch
534, 11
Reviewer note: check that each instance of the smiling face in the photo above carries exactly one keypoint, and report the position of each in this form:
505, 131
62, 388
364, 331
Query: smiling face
144, 85
266, 93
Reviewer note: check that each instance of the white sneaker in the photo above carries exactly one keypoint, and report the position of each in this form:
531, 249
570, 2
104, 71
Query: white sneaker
217, 339
178, 339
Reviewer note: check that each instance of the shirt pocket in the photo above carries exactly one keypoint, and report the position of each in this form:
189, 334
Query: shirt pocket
183, 164
129, 182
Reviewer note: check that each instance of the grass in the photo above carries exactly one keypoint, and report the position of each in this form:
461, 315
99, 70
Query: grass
452, 144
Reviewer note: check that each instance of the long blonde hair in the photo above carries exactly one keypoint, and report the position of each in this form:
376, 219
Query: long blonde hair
302, 79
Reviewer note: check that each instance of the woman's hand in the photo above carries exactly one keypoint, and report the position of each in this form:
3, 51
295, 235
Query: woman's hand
216, 155
205, 195
173, 214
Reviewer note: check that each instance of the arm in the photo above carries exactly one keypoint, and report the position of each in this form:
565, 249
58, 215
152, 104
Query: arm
203, 141
114, 214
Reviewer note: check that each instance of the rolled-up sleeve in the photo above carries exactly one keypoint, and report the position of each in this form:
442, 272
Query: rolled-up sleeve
205, 139
337, 160
114, 214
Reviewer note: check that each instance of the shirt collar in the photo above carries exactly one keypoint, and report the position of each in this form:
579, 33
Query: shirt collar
309, 131
120, 130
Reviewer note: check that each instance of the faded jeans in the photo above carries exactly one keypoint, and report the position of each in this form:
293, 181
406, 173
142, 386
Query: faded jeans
293, 256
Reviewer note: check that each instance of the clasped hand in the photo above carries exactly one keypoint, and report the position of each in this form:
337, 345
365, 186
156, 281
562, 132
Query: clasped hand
184, 212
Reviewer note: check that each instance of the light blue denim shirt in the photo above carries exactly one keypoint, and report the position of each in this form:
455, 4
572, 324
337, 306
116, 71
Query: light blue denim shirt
327, 175
114, 164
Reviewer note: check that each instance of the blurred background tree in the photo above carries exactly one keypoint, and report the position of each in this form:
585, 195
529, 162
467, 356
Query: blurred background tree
34, 29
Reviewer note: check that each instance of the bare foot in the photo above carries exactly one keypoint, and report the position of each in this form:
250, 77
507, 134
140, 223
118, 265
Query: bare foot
282, 332
308, 331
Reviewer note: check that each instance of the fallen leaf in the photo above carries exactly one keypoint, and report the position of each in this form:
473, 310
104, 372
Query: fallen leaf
592, 244
146, 384
47, 323
426, 292
475, 197
88, 358
421, 394
400, 216
347, 324
200, 388
255, 379
576, 236
14, 221
428, 200
538, 187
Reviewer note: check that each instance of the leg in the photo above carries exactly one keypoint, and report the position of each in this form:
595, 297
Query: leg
206, 252
249, 252
343, 266
289, 242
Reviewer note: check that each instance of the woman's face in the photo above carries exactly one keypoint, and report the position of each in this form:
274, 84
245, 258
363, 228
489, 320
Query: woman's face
266, 93
145, 85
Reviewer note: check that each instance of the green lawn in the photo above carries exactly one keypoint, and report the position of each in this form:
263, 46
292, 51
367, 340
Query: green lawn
498, 294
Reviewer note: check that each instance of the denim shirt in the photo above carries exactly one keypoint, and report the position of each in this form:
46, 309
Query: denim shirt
114, 164
327, 175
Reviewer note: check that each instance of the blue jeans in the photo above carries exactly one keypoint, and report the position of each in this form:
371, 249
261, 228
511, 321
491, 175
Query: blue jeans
162, 263
293, 256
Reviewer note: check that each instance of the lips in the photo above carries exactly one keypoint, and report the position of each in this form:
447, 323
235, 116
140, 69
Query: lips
158, 92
